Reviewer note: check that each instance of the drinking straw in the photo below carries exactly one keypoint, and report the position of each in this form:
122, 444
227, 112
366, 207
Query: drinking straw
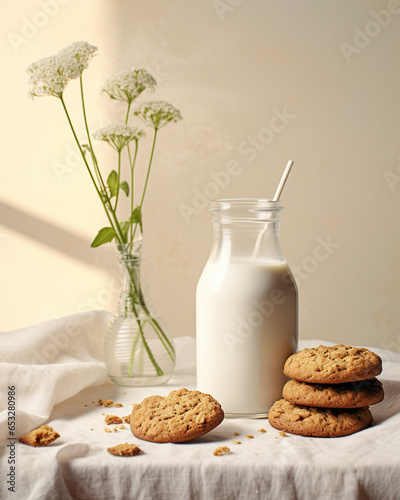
278, 193
282, 182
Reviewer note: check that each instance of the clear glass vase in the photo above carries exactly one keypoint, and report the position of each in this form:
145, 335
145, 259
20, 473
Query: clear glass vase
138, 348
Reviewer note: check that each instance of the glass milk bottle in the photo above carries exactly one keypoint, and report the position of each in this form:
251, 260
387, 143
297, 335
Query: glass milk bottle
246, 309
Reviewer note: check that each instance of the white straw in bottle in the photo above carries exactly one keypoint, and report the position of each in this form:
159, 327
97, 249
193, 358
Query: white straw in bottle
278, 193
282, 182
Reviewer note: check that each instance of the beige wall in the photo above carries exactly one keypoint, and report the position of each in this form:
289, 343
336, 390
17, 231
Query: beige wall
230, 67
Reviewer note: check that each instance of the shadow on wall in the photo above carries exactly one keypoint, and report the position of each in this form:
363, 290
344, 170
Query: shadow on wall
56, 238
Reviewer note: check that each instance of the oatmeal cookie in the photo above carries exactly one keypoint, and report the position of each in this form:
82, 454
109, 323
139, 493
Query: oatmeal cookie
348, 395
333, 365
181, 416
318, 422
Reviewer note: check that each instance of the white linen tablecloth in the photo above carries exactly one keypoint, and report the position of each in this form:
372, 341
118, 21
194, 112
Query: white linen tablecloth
58, 373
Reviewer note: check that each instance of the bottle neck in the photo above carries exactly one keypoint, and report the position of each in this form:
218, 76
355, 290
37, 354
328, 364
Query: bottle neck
246, 231
258, 242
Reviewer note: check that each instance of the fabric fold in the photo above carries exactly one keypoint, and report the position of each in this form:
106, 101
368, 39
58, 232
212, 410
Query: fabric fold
49, 363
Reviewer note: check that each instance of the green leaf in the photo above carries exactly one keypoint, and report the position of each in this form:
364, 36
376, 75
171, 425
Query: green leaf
136, 217
112, 183
125, 187
105, 235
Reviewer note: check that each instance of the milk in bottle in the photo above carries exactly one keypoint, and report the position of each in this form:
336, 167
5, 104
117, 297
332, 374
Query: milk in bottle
246, 309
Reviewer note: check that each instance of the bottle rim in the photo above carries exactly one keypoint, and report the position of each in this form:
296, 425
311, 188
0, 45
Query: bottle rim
254, 204
260, 209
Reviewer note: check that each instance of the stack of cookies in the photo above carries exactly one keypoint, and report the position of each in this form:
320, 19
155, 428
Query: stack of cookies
330, 391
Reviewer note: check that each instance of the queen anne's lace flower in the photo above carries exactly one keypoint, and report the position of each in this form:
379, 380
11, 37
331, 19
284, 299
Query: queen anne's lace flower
50, 75
118, 136
129, 84
156, 114
76, 57
47, 77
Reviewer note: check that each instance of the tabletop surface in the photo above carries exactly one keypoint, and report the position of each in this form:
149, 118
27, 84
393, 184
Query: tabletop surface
267, 465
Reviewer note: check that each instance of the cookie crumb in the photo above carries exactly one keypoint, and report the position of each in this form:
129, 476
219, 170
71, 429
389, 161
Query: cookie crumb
100, 401
42, 436
84, 405
112, 419
236, 434
282, 433
236, 442
276, 437
108, 402
221, 450
122, 426
115, 429
124, 450
107, 429
91, 429
250, 436
262, 430
118, 405
127, 419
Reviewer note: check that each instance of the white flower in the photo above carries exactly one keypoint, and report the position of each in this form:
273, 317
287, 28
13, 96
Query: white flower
47, 77
118, 136
129, 84
76, 57
50, 75
156, 114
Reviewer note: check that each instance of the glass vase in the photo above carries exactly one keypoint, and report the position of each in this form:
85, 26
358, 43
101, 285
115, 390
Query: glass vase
138, 348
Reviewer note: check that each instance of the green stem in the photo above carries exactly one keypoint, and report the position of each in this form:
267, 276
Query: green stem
121, 234
132, 181
126, 123
149, 167
118, 180
148, 174
94, 159
157, 328
103, 188
134, 293
164, 339
88, 167
132, 165
132, 358
150, 354
127, 112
